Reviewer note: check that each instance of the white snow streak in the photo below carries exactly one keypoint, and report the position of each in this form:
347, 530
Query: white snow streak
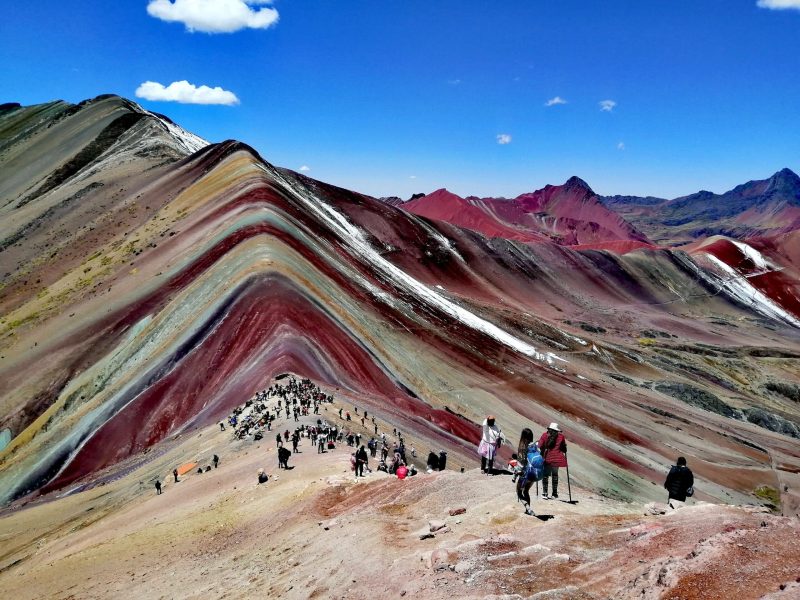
187, 141
754, 255
352, 236
740, 288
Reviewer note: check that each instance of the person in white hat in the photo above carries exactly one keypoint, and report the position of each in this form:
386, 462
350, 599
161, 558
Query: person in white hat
553, 447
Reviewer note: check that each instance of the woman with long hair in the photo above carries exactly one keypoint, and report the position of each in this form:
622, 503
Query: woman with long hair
524, 483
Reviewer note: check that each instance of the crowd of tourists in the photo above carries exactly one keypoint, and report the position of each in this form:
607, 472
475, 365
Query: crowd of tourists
534, 460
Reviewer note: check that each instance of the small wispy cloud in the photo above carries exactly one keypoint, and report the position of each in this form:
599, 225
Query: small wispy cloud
503, 138
621, 146
214, 16
607, 105
304, 168
185, 93
555, 101
412, 176
453, 81
779, 4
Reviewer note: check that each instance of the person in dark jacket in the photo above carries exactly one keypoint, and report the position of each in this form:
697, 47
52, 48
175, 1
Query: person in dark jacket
433, 461
283, 457
553, 447
361, 461
680, 481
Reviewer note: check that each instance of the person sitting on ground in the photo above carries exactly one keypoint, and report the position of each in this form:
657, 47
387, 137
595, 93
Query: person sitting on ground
262, 476
514, 467
553, 447
679, 483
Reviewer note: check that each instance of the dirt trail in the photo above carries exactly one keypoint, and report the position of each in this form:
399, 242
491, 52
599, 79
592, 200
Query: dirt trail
313, 532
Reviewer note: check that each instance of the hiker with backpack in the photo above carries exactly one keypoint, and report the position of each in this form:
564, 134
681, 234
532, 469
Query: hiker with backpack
679, 483
553, 448
531, 468
491, 439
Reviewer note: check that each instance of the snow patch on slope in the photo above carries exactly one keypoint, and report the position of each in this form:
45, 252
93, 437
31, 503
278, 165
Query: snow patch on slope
187, 140
353, 237
754, 255
737, 286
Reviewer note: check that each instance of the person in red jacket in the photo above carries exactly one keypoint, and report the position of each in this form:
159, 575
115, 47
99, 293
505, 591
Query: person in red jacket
553, 447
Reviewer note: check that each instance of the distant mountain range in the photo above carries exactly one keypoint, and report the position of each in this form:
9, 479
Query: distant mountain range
572, 214
569, 214
756, 208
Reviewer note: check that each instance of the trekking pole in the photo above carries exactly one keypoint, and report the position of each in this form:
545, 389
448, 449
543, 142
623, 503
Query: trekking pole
537, 489
569, 487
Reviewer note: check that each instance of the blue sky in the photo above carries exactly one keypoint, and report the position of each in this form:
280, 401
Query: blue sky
391, 98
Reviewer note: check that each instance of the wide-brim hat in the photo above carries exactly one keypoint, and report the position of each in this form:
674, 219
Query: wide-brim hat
554, 427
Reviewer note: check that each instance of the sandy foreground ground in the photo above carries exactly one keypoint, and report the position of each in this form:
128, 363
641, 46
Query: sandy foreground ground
314, 532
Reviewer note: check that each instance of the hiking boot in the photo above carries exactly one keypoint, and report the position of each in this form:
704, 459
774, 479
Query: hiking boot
555, 494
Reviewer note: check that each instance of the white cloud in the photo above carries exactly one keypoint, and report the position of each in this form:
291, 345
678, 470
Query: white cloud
214, 16
503, 138
453, 81
780, 4
412, 176
185, 93
304, 168
607, 105
621, 146
555, 101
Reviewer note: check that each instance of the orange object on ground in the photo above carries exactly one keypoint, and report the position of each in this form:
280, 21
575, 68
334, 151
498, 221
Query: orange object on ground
183, 469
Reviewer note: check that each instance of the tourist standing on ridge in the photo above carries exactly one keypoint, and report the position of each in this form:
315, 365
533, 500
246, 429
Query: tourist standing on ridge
553, 447
491, 439
175, 474
216, 461
531, 468
361, 461
158, 487
680, 482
